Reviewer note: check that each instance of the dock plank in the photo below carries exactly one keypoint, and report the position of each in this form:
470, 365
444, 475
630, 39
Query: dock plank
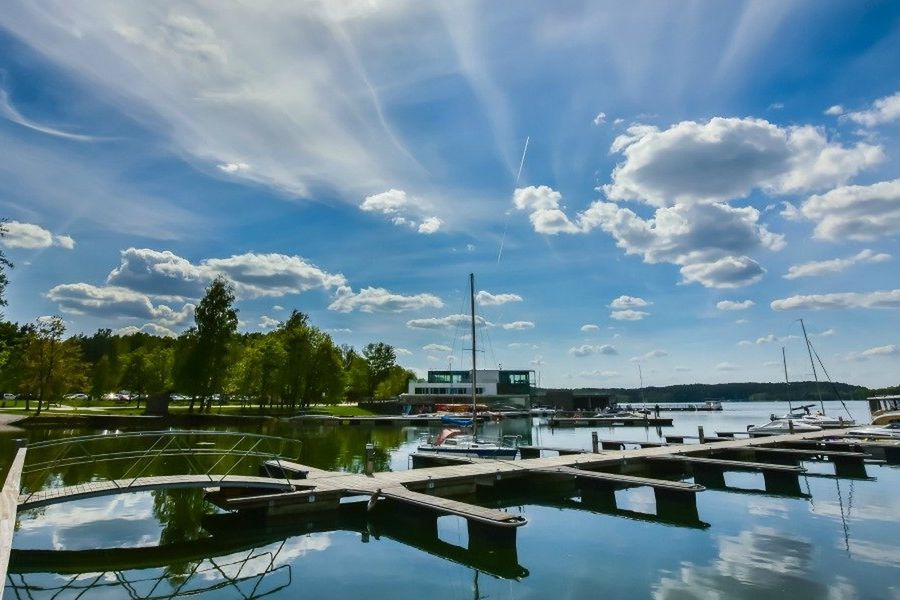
633, 480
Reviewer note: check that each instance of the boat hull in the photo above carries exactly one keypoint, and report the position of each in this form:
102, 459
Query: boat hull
479, 452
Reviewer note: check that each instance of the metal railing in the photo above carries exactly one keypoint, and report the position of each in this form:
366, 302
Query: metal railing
189, 445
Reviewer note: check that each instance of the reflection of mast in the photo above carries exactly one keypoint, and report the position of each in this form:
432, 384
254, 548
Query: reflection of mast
813, 364
844, 525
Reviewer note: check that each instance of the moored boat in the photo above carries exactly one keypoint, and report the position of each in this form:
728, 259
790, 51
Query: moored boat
781, 427
454, 441
890, 431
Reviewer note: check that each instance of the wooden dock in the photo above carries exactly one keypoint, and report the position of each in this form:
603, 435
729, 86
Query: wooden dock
610, 422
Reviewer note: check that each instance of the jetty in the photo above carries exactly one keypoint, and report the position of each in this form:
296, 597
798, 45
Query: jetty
444, 485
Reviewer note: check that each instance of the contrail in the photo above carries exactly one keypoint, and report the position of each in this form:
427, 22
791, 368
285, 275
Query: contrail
518, 175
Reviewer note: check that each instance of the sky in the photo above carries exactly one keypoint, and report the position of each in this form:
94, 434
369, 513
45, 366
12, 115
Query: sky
642, 189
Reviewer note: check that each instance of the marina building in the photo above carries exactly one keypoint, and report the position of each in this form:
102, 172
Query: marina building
493, 388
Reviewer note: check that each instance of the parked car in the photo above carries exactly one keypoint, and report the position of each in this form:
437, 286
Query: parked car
8, 396
76, 397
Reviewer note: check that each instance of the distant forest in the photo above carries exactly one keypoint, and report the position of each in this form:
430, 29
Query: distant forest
801, 391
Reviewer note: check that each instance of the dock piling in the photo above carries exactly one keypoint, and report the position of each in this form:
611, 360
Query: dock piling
595, 443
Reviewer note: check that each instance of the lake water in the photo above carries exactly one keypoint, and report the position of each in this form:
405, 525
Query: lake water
837, 538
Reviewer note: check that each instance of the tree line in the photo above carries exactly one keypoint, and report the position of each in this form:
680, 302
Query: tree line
291, 367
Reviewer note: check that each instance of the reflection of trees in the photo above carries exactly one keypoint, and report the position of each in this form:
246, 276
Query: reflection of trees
757, 563
180, 512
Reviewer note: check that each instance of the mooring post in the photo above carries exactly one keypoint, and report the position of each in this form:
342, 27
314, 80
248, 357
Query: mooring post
370, 458
595, 443
700, 434
791, 425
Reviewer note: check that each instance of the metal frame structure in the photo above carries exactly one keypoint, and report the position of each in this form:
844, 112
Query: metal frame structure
166, 444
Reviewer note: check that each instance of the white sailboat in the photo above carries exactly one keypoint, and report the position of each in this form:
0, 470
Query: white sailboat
455, 441
802, 414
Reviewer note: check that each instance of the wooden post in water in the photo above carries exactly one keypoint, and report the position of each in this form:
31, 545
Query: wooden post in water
595, 443
370, 458
700, 434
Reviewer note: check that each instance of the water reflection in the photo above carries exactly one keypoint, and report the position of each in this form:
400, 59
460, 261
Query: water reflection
758, 562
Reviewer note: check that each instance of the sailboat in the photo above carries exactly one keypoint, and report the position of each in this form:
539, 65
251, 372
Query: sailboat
802, 414
456, 441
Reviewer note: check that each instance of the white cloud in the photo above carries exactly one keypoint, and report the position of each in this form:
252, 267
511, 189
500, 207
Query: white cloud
116, 302
233, 167
889, 350
31, 237
590, 328
589, 349
628, 315
429, 225
649, 355
625, 302
450, 321
598, 373
521, 345
390, 202
149, 328
883, 110
277, 308
8, 111
214, 85
600, 119
267, 322
372, 299
727, 366
402, 351
727, 158
402, 210
828, 333
745, 343
689, 172
856, 212
709, 241
165, 274
726, 272
835, 110
734, 304
542, 203
878, 299
741, 322
766, 340
836, 265
436, 348
518, 325
484, 298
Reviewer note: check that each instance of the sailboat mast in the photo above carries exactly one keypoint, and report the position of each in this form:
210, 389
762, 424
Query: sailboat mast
786, 382
811, 362
472, 305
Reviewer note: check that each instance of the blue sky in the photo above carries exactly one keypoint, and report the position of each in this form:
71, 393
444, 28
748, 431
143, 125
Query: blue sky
698, 176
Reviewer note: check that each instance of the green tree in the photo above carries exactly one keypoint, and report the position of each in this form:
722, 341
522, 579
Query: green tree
217, 321
103, 378
395, 383
4, 265
358, 376
51, 365
296, 336
381, 357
